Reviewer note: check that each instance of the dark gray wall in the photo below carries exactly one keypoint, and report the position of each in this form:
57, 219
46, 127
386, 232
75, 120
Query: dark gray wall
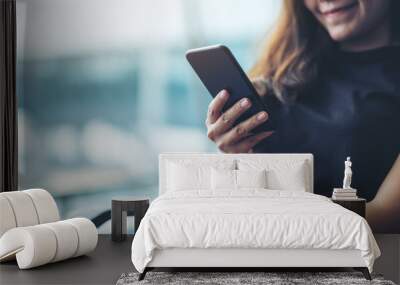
389, 262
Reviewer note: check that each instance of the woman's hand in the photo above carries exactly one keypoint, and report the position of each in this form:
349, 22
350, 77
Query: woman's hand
220, 128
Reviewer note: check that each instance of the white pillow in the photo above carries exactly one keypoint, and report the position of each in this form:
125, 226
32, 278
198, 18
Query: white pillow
293, 179
251, 178
223, 179
237, 179
281, 174
193, 174
183, 178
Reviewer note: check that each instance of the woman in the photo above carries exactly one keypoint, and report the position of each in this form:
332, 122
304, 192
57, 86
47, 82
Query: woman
330, 78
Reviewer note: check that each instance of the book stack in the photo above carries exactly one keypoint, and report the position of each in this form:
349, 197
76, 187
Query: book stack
344, 194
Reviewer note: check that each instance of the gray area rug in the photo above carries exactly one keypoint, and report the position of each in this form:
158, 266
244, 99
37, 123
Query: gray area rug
229, 278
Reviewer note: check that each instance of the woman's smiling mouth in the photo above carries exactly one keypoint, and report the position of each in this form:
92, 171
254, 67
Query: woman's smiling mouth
336, 13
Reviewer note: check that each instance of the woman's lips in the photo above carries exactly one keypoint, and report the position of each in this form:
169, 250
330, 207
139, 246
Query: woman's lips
339, 13
338, 10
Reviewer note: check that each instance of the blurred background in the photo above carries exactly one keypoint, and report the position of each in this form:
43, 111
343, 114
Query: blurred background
104, 87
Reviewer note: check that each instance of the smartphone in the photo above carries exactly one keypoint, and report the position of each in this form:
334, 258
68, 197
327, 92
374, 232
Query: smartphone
218, 69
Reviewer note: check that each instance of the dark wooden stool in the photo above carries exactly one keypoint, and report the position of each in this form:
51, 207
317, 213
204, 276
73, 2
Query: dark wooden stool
123, 207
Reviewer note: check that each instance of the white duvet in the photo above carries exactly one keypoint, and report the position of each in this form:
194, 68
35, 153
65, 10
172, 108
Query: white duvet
250, 219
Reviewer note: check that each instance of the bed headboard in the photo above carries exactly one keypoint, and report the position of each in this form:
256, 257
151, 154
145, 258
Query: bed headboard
272, 159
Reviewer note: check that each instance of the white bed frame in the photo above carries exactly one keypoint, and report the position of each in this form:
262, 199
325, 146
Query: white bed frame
250, 258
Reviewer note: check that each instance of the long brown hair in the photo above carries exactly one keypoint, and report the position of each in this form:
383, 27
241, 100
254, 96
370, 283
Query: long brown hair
293, 52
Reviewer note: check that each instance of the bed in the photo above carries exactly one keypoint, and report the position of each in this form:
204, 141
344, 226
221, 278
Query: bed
245, 211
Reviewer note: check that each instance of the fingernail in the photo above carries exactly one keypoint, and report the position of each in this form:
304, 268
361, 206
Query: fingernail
261, 116
244, 103
223, 94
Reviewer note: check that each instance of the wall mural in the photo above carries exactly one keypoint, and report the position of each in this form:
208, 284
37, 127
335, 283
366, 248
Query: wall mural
99, 99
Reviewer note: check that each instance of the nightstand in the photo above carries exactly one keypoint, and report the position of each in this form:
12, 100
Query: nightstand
121, 208
356, 205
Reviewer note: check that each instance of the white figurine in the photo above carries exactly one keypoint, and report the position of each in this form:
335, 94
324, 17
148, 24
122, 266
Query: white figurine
348, 173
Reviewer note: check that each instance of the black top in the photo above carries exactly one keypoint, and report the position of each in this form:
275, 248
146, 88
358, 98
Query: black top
352, 109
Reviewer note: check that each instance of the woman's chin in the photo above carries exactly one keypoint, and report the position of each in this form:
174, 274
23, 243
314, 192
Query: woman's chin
346, 38
340, 34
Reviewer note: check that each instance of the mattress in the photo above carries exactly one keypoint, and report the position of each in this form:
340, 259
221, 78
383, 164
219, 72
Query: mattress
251, 219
